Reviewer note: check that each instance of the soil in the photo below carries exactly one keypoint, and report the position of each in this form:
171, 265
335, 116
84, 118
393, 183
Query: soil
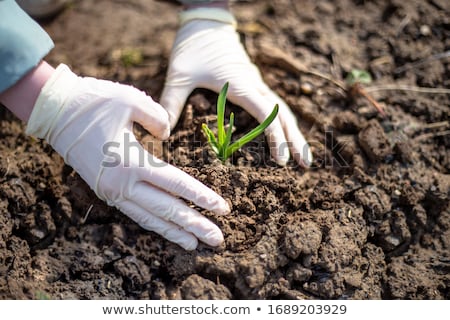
369, 220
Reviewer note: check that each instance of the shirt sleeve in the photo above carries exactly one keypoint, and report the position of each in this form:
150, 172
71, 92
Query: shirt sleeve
23, 43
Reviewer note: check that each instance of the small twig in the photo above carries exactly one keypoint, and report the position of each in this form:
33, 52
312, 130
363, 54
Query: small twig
381, 60
328, 78
83, 221
435, 125
434, 57
272, 55
402, 87
427, 126
426, 136
336, 69
403, 24
7, 167
361, 91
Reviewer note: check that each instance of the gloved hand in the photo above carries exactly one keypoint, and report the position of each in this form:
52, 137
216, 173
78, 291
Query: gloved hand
89, 122
207, 53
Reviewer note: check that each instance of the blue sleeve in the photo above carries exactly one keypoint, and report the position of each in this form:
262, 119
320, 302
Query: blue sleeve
23, 44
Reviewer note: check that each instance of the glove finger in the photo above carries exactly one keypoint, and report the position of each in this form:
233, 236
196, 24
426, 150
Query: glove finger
260, 107
173, 99
172, 209
179, 183
144, 110
300, 149
166, 229
152, 117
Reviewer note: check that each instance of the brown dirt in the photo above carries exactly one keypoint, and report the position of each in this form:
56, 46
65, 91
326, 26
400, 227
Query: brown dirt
370, 220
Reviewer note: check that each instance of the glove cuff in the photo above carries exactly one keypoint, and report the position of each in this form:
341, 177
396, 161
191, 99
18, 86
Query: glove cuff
214, 14
50, 102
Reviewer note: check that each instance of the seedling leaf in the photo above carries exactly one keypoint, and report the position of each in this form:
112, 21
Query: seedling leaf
253, 133
358, 76
221, 114
211, 138
228, 136
221, 145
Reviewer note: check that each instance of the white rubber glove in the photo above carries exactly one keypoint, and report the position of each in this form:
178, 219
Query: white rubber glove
90, 123
207, 53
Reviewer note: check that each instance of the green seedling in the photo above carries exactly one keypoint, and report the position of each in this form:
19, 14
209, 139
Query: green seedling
221, 145
358, 76
128, 57
355, 81
42, 295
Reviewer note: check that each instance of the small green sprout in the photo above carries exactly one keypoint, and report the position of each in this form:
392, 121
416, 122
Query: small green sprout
355, 79
128, 57
42, 295
222, 145
358, 76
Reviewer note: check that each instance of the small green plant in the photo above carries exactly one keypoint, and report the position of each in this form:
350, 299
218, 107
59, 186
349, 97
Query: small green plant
42, 295
128, 57
221, 145
358, 76
355, 79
